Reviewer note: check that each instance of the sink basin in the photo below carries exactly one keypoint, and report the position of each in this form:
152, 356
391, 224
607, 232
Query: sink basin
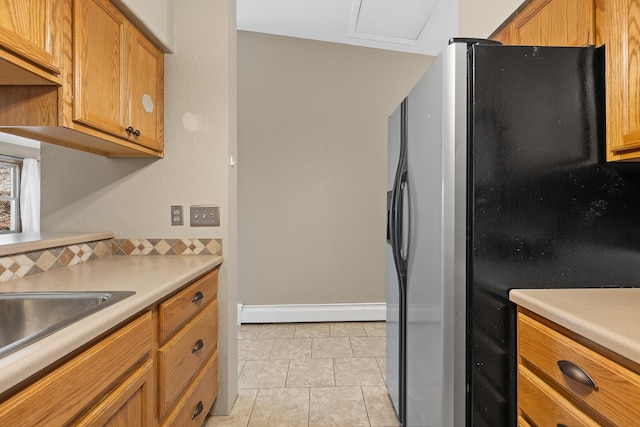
28, 317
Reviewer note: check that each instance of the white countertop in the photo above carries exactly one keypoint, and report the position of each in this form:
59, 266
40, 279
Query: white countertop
151, 277
607, 316
14, 243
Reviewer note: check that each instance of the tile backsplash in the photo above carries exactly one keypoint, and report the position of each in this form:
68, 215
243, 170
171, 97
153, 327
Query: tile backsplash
28, 263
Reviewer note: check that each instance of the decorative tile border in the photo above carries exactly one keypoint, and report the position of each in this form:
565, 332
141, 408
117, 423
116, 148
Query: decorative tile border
166, 247
28, 263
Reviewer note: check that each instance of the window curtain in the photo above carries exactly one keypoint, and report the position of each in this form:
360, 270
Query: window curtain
30, 195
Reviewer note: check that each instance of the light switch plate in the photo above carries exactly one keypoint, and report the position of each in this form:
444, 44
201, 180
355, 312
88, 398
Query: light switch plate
205, 216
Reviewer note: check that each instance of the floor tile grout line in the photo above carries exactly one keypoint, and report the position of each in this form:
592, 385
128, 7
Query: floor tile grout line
335, 379
366, 408
309, 407
286, 377
255, 399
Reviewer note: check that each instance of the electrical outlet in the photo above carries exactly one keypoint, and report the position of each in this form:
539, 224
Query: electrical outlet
177, 215
205, 216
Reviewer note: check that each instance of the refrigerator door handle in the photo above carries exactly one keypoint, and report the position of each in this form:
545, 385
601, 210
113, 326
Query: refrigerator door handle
398, 212
389, 209
399, 215
402, 224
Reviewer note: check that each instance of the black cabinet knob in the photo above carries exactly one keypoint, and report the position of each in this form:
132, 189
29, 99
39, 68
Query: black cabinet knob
198, 346
131, 131
198, 410
198, 296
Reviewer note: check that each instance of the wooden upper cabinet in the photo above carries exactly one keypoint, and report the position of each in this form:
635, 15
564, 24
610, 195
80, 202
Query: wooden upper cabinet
146, 112
99, 64
30, 41
117, 75
551, 23
619, 31
109, 96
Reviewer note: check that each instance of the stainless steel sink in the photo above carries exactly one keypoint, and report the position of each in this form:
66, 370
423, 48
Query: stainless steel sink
28, 317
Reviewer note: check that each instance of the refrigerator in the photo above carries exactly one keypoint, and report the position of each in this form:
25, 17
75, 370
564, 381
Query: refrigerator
497, 180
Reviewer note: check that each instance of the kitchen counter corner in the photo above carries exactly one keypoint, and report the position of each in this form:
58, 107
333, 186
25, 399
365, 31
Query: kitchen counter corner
151, 277
606, 316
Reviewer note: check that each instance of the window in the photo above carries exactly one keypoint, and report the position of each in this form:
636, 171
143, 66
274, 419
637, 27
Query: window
9, 195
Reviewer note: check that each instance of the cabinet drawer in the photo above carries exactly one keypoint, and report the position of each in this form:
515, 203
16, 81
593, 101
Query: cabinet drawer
617, 397
74, 385
544, 406
181, 358
193, 408
180, 308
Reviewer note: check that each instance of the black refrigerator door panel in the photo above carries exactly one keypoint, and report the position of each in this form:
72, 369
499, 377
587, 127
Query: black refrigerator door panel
545, 210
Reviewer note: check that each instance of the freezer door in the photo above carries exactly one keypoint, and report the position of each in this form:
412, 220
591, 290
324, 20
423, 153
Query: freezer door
393, 293
429, 315
436, 272
424, 328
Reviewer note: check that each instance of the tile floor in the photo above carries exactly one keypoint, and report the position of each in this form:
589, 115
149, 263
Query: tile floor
311, 374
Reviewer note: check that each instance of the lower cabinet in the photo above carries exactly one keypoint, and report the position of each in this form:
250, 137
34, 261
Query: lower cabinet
159, 369
94, 384
564, 379
129, 404
187, 353
192, 408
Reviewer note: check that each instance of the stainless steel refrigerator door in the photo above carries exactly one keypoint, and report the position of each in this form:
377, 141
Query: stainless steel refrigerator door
393, 294
436, 278
424, 359
456, 106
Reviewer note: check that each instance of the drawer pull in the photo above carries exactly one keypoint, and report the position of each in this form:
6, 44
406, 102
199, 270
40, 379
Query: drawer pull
562, 425
576, 373
198, 410
198, 296
198, 346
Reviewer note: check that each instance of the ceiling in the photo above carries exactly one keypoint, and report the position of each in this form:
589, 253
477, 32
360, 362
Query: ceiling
416, 26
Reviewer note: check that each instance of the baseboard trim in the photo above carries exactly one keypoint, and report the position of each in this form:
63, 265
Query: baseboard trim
297, 313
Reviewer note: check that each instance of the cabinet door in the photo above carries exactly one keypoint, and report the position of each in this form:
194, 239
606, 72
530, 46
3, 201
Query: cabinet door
554, 23
146, 103
130, 404
504, 35
58, 397
99, 66
31, 29
621, 35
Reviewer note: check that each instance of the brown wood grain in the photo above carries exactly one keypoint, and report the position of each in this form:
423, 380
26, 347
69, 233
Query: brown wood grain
178, 363
544, 406
203, 389
105, 65
130, 404
31, 29
618, 396
62, 394
180, 308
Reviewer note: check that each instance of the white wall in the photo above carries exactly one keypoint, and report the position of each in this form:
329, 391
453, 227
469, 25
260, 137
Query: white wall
312, 147
481, 18
154, 17
312, 166
132, 197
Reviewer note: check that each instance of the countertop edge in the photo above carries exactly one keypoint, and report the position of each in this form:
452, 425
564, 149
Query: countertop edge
14, 243
29, 361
